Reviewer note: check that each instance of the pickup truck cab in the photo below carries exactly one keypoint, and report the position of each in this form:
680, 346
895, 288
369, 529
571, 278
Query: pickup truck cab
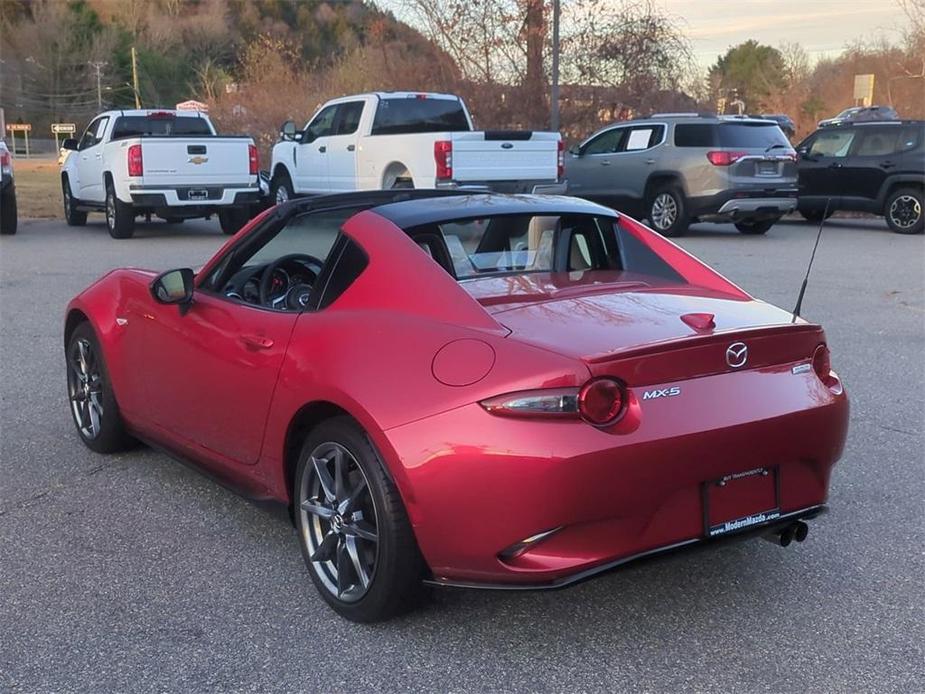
390, 140
169, 163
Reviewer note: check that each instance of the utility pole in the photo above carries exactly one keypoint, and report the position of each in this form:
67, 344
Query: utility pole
135, 77
554, 97
98, 66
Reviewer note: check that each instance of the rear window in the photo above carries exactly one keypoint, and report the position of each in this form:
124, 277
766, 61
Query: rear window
418, 115
167, 125
521, 244
742, 135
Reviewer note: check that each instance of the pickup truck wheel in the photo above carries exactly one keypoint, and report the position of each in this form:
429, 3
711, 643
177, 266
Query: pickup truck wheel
8, 217
232, 220
281, 188
667, 211
754, 228
120, 217
903, 211
71, 215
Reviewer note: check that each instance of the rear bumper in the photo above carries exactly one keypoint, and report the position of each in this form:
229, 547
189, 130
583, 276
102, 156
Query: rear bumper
185, 196
738, 204
536, 187
609, 497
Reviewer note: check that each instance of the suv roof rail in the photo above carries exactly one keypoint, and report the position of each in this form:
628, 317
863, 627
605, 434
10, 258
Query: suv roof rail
680, 115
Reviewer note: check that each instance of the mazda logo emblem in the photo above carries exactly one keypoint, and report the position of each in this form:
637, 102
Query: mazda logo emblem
737, 354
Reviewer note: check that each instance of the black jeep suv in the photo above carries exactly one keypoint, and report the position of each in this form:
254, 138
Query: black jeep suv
876, 167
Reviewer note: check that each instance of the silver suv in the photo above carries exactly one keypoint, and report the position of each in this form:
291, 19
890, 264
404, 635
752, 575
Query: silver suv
675, 169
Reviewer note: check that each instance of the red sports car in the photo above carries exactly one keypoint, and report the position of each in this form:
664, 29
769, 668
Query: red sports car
474, 390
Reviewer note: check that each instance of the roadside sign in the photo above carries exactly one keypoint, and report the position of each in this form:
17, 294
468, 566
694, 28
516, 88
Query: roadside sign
19, 127
193, 105
63, 128
864, 89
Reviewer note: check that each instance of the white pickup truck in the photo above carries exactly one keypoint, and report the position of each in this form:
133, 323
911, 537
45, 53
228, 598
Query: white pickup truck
389, 140
168, 163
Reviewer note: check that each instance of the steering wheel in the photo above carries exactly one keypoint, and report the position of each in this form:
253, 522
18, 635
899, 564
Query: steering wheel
299, 293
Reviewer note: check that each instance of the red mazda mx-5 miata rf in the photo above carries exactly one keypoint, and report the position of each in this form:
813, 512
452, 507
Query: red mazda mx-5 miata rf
472, 390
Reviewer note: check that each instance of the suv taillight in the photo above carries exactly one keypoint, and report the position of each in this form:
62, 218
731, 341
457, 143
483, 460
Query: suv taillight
135, 164
560, 161
6, 162
724, 158
253, 159
443, 156
822, 365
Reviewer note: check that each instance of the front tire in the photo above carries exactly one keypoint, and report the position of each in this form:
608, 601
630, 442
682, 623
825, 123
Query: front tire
353, 530
232, 219
281, 188
755, 228
903, 211
120, 216
667, 211
93, 403
72, 216
8, 216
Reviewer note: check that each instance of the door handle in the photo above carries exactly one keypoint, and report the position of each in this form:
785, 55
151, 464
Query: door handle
257, 341
322, 149
887, 164
351, 148
650, 161
99, 156
604, 162
835, 165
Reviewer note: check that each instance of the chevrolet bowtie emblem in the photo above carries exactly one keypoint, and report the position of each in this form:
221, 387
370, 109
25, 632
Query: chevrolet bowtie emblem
198, 160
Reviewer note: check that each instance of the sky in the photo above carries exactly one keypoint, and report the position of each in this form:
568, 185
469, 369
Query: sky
822, 27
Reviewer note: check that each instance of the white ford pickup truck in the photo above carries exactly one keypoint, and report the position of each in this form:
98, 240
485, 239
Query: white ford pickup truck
168, 163
389, 140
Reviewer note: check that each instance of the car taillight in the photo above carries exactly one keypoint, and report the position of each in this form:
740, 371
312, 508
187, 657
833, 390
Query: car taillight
135, 164
822, 365
6, 162
254, 160
601, 401
560, 161
558, 402
724, 158
443, 156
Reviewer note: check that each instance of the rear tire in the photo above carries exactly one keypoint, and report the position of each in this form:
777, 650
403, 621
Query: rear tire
281, 188
815, 216
755, 228
232, 219
120, 216
362, 579
667, 211
8, 216
903, 211
72, 216
93, 404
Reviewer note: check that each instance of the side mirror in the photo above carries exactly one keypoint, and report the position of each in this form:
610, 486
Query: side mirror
70, 143
288, 130
803, 153
173, 287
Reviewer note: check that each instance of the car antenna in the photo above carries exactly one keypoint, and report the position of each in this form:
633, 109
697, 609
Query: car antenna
825, 214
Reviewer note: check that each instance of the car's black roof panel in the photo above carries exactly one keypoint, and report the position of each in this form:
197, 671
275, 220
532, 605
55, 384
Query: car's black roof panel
429, 210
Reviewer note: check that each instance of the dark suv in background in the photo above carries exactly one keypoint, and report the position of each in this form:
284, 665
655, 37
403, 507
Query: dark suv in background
876, 167
674, 169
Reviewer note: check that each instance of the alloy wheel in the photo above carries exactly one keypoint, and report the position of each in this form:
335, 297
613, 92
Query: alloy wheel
67, 201
339, 521
85, 388
905, 211
282, 195
664, 211
111, 211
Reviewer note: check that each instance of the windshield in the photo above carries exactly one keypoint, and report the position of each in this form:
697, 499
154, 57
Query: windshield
521, 244
419, 115
161, 125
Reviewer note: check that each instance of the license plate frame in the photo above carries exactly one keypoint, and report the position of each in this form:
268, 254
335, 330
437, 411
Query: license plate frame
198, 194
767, 168
770, 510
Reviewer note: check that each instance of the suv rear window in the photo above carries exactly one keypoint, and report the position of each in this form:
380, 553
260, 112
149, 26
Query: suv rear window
404, 115
732, 134
167, 125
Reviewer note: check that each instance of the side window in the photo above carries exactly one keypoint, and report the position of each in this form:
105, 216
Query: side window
322, 124
93, 133
878, 142
694, 135
643, 137
605, 143
835, 143
348, 117
910, 138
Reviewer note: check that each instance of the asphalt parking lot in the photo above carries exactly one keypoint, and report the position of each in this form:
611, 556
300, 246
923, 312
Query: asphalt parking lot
135, 573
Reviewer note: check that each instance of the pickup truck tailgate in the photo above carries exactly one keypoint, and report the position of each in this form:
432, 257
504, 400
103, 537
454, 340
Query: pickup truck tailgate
196, 160
486, 156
